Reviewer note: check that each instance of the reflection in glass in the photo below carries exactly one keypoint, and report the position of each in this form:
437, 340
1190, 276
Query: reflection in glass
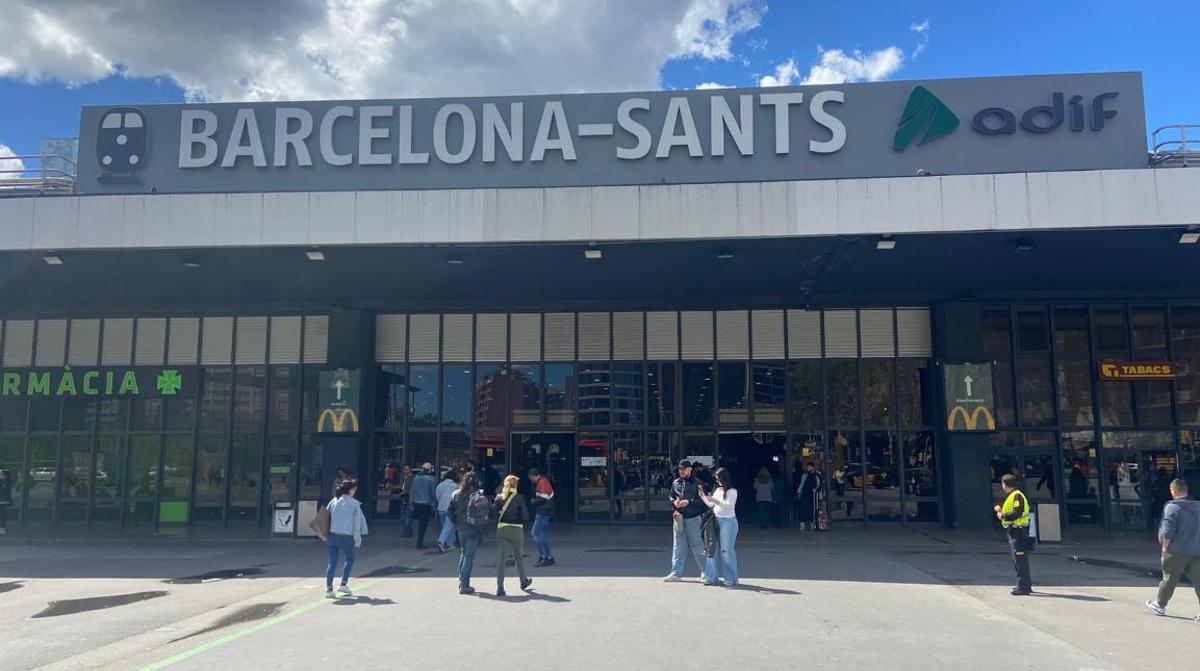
210, 476
391, 396
732, 393
1037, 401
283, 407
491, 395
920, 477
660, 385
42, 478
595, 394
249, 408
44, 414
842, 391
629, 393
13, 413
421, 449
628, 476
560, 394
593, 502
177, 477
114, 414
846, 476
662, 453
1149, 333
1075, 392
311, 469
79, 414
108, 480
915, 397
455, 453
698, 398
143, 478
422, 396
214, 403
769, 386
456, 395
1081, 472
879, 391
882, 476
1153, 403
804, 385
244, 477
1185, 345
147, 414
281, 467
1112, 338
1116, 403
179, 414
76, 478
1032, 332
491, 460
526, 388
1071, 333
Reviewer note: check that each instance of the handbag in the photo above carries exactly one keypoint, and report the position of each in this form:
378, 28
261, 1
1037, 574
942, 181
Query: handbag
320, 524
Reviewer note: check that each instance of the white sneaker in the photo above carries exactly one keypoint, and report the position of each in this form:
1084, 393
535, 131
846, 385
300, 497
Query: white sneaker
672, 577
1158, 610
329, 594
344, 590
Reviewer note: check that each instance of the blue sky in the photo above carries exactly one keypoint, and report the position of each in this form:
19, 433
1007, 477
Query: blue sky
739, 44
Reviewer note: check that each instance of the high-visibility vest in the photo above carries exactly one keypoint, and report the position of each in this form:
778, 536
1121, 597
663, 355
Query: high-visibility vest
1010, 504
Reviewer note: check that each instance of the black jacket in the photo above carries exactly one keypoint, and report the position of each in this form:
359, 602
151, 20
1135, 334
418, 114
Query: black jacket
517, 513
688, 490
457, 513
6, 491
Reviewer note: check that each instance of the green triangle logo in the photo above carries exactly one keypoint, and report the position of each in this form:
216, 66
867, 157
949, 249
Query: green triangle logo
923, 115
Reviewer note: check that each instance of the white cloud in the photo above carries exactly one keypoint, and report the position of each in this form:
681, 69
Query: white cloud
705, 86
838, 67
7, 163
323, 49
921, 29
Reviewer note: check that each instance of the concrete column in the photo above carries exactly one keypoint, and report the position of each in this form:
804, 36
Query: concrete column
351, 345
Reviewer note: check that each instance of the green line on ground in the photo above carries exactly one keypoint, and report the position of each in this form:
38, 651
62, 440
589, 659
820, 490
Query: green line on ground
229, 638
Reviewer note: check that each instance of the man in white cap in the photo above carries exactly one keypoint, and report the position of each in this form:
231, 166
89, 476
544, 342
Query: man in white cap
423, 496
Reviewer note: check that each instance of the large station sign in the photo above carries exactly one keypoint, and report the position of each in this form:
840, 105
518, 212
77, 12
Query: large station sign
881, 129
84, 382
1136, 370
970, 397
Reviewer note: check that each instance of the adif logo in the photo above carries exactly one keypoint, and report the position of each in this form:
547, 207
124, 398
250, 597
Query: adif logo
122, 141
923, 115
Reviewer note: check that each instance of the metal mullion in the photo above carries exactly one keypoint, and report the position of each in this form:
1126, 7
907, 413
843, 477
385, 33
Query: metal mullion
1176, 424
1097, 425
264, 451
575, 461
646, 418
195, 429
1014, 364
233, 389
903, 496
862, 429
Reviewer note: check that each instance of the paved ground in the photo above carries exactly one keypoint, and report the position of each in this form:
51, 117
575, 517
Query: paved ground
855, 600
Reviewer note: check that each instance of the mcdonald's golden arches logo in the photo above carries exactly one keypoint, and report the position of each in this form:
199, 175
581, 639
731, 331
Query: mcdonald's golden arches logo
970, 421
337, 421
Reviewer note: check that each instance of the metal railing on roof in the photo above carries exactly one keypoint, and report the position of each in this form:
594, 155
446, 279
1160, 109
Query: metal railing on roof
36, 174
1175, 145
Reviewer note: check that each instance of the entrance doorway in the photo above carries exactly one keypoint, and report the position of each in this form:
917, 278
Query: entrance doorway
746, 455
550, 453
1138, 486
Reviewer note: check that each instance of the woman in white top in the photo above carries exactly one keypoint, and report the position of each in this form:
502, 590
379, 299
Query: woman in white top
724, 506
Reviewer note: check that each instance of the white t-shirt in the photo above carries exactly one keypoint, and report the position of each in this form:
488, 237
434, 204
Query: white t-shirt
724, 502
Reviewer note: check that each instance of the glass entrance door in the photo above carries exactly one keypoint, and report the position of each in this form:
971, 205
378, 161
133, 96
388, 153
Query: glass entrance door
550, 453
1138, 469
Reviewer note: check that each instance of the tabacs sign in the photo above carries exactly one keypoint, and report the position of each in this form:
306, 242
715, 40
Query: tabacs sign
1056, 122
1137, 370
970, 397
338, 401
70, 382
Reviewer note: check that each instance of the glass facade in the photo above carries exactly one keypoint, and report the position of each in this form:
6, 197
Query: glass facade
1105, 450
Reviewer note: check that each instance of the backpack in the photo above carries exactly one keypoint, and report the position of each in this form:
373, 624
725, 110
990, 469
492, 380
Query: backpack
479, 509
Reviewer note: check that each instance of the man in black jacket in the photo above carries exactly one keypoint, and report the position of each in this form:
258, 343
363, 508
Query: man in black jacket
685, 500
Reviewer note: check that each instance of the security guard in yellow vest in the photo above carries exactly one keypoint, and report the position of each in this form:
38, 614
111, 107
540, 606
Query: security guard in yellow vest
1014, 517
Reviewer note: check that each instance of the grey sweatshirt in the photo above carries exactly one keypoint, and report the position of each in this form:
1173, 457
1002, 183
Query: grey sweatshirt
1181, 524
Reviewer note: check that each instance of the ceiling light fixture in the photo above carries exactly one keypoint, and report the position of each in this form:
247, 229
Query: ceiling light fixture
724, 254
1189, 237
887, 242
455, 260
53, 260
1024, 245
315, 255
593, 253
191, 263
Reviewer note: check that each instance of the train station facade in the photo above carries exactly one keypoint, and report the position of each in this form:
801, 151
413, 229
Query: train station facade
915, 286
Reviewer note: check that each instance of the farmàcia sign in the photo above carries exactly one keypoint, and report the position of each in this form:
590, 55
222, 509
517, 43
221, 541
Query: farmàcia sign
71, 382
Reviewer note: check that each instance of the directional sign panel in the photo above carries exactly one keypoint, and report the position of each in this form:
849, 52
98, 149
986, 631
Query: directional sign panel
338, 408
970, 397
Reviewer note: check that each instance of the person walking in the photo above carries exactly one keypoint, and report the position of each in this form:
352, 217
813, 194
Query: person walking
406, 516
808, 492
6, 500
444, 492
1014, 517
512, 512
347, 526
543, 514
723, 502
423, 495
470, 509
1179, 535
764, 496
688, 506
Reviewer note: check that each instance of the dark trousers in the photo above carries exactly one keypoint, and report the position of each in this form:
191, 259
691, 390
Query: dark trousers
1018, 544
422, 512
1174, 567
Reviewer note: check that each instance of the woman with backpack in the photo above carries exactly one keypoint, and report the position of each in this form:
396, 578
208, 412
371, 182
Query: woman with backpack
469, 511
347, 526
512, 512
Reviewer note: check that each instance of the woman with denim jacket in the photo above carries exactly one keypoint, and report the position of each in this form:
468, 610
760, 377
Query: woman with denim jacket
347, 526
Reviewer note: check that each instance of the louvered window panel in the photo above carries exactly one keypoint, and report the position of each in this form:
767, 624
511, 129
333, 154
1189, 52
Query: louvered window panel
84, 346
766, 336
804, 334
251, 346
594, 336
116, 342
526, 339
18, 343
733, 335
183, 341
391, 338
151, 346
316, 339
662, 336
424, 333
841, 334
560, 336
878, 333
285, 339
457, 334
913, 332
697, 329
216, 341
491, 337
51, 342
629, 332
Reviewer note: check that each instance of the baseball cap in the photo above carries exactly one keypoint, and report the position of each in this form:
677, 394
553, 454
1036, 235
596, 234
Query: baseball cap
684, 463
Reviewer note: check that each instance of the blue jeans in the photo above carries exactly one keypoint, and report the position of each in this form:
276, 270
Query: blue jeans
406, 515
541, 535
339, 543
689, 537
447, 534
470, 540
727, 530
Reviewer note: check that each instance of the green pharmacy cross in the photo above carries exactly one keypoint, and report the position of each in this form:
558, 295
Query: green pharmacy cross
169, 382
